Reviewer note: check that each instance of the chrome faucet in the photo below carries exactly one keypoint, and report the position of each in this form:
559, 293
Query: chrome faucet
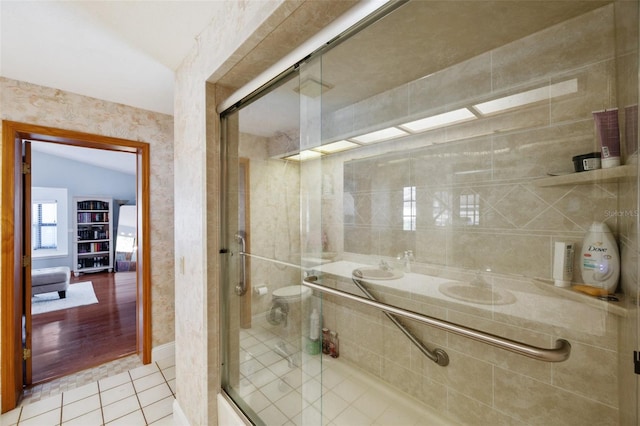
407, 258
384, 265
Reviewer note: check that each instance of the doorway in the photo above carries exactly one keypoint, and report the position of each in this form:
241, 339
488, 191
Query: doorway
15, 312
95, 320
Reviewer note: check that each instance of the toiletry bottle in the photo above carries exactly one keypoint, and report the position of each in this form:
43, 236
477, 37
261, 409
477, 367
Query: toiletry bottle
600, 259
325, 341
313, 345
608, 134
334, 345
563, 264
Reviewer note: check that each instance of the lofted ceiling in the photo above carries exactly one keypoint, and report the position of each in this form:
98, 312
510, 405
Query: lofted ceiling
122, 51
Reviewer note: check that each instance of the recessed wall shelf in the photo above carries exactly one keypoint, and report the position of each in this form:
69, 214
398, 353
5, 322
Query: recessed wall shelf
613, 174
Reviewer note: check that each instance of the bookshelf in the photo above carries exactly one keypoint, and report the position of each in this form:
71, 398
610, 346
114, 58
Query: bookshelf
93, 240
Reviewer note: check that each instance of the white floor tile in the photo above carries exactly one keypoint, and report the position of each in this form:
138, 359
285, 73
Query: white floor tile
42, 406
79, 408
112, 382
94, 418
149, 381
10, 417
172, 385
332, 406
154, 394
79, 393
121, 408
169, 372
165, 421
272, 416
158, 409
290, 404
268, 358
167, 362
49, 418
262, 377
143, 371
132, 419
117, 393
257, 401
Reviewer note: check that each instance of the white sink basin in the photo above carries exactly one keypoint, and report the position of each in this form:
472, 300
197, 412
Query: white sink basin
374, 273
477, 293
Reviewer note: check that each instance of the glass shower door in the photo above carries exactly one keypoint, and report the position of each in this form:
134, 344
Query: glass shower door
410, 165
272, 367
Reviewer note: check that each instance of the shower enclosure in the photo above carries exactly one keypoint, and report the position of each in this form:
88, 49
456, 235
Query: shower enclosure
400, 192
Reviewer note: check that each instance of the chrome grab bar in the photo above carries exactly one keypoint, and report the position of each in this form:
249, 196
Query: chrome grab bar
559, 353
241, 288
438, 355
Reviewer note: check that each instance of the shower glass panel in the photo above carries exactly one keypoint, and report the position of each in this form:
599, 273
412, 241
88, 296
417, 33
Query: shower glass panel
427, 167
272, 367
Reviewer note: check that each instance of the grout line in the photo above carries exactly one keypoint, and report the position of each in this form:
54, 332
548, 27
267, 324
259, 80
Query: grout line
100, 399
61, 407
166, 382
138, 399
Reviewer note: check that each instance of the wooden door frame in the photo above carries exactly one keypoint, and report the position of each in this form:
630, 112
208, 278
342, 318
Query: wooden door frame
12, 131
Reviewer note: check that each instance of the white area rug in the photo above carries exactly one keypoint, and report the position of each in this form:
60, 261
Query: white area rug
77, 295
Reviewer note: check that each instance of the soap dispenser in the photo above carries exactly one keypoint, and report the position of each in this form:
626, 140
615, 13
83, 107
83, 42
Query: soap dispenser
600, 259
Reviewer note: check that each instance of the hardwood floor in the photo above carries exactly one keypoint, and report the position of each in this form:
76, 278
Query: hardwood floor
67, 341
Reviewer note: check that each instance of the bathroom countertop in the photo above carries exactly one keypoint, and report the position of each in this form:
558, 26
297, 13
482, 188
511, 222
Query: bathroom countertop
533, 300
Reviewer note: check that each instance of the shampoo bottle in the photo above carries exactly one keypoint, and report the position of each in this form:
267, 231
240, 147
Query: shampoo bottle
600, 260
314, 343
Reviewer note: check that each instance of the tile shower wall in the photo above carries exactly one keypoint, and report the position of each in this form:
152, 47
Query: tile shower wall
275, 219
476, 205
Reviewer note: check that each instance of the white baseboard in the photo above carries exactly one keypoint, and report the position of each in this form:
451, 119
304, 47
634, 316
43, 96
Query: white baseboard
179, 419
166, 350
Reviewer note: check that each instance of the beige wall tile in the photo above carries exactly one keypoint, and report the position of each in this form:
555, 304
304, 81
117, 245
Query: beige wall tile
555, 49
538, 403
587, 366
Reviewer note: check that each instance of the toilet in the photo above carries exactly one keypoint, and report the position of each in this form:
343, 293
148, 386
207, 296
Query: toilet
288, 305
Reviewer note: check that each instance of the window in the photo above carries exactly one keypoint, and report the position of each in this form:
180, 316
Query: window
45, 225
470, 209
49, 222
409, 208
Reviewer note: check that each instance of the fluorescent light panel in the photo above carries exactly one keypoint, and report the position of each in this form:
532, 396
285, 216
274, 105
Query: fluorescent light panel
380, 135
333, 147
435, 121
528, 97
304, 155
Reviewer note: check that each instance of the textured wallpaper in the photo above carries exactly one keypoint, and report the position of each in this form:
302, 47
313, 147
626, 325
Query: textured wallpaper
32, 104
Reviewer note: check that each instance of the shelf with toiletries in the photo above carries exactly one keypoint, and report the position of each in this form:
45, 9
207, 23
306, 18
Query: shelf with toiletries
612, 174
573, 293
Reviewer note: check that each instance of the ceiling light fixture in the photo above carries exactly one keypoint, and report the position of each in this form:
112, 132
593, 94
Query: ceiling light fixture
530, 96
334, 147
304, 155
439, 120
380, 135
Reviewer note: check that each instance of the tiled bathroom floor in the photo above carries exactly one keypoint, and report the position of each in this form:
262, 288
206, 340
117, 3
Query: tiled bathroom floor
143, 395
323, 390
